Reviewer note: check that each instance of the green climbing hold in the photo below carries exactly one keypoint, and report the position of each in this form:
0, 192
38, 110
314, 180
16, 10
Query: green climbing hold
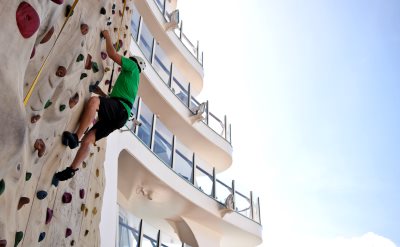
83, 75
62, 107
67, 10
18, 238
80, 58
28, 176
48, 103
95, 67
2, 186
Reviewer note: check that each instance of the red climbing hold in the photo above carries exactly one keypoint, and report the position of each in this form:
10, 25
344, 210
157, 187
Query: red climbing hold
103, 55
40, 146
61, 71
3, 243
47, 36
67, 197
84, 29
22, 202
58, 1
35, 118
73, 100
68, 232
81, 193
28, 20
88, 64
33, 52
49, 215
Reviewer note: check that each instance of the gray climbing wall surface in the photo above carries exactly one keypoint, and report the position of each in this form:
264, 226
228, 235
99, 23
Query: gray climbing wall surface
35, 210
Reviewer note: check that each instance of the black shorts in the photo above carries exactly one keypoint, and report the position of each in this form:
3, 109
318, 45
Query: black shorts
112, 115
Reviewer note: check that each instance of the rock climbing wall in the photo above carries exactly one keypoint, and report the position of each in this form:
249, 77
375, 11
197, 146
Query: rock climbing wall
36, 210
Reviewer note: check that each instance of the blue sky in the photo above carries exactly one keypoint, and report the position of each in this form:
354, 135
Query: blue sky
312, 89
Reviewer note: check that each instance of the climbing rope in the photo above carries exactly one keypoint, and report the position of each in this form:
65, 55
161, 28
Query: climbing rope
29, 94
117, 47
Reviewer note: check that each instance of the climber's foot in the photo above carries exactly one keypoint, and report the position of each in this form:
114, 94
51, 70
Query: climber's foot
65, 174
70, 139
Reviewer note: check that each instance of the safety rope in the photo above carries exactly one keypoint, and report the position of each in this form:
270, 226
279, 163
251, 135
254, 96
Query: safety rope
117, 47
29, 94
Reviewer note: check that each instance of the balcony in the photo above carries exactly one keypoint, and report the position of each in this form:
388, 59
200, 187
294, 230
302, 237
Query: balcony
184, 53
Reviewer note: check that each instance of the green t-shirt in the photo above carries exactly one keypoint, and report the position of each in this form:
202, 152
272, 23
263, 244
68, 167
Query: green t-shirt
127, 83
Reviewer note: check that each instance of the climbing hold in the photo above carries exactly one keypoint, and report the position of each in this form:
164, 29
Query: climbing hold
83, 207
103, 11
72, 242
96, 195
41, 236
67, 197
28, 176
125, 52
67, 10
40, 146
107, 82
127, 8
49, 215
113, 6
94, 211
81, 193
84, 164
73, 100
35, 118
41, 194
97, 172
18, 238
95, 67
103, 55
55, 181
22, 202
120, 13
119, 69
88, 64
33, 52
48, 103
58, 1
19, 167
48, 35
62, 107
68, 232
86, 232
109, 22
61, 71
2, 186
80, 58
107, 69
83, 75
28, 20
113, 12
84, 29
98, 149
86, 211
3, 243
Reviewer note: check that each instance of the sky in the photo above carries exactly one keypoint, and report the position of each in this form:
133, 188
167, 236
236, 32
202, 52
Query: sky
312, 89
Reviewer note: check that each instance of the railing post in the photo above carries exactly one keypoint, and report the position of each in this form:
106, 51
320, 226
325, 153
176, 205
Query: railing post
251, 205
207, 113
170, 76
140, 238
226, 127
159, 238
194, 168
233, 195
153, 51
139, 30
189, 95
202, 59
259, 210
153, 131
197, 50
180, 31
173, 152
139, 106
213, 191
230, 134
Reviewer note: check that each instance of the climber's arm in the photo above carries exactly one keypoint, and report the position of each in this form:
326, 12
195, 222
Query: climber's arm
110, 48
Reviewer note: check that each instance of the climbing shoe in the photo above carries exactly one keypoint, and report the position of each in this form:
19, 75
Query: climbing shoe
66, 174
70, 139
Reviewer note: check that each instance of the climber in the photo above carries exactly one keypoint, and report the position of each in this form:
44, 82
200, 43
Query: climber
113, 110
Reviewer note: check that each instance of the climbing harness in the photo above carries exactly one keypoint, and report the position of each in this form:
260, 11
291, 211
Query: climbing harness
29, 94
117, 46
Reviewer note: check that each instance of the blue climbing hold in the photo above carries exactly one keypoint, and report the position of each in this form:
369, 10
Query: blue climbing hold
41, 194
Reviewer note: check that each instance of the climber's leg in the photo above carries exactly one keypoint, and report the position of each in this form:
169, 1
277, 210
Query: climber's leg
83, 152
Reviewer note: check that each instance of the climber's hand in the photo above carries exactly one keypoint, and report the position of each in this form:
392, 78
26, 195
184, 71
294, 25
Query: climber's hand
105, 33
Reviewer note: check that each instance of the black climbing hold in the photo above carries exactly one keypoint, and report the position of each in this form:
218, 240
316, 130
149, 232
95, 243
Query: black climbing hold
2, 186
95, 67
18, 238
62, 107
68, 232
113, 12
67, 197
103, 11
72, 242
86, 232
113, 6
48, 103
94, 87
109, 23
28, 176
81, 193
68, 10
41, 236
80, 58
41, 194
83, 75
55, 181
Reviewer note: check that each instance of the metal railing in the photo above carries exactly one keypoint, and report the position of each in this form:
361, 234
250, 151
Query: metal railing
187, 165
171, 77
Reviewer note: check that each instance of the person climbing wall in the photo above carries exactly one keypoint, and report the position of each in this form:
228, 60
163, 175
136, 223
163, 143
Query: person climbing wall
113, 110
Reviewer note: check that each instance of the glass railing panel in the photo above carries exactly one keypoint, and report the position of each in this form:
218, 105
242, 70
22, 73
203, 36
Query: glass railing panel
149, 236
128, 230
146, 118
160, 5
180, 86
183, 164
146, 41
189, 45
222, 190
170, 241
242, 203
256, 209
163, 143
204, 178
228, 134
216, 124
162, 64
135, 23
